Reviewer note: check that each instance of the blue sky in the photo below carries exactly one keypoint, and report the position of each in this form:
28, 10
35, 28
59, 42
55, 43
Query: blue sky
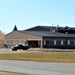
29, 13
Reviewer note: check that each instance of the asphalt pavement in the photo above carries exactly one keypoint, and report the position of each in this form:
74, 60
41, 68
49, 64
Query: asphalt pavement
9, 51
37, 68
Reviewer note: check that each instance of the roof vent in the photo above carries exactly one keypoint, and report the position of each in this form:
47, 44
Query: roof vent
66, 27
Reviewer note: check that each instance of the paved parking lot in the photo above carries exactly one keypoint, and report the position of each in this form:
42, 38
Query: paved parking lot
37, 68
3, 51
8, 50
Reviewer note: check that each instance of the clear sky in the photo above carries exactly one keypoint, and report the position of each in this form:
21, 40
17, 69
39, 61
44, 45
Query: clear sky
29, 13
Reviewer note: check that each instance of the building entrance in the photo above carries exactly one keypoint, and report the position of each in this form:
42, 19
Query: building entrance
33, 44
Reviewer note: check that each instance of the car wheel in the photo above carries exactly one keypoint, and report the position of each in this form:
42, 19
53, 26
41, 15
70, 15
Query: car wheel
14, 49
23, 49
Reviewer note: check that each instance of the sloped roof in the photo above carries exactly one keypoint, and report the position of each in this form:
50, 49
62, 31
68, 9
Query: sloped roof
48, 28
44, 31
41, 28
60, 30
48, 34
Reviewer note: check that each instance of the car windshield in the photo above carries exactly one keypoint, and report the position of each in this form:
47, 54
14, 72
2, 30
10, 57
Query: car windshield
16, 45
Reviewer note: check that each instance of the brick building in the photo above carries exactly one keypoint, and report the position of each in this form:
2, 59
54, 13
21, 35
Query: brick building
1, 39
43, 37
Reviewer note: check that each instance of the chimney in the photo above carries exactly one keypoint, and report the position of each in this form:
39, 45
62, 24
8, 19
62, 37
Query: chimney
57, 26
52, 24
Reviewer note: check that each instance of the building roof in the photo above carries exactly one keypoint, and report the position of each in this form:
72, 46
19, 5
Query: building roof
48, 31
51, 31
41, 28
48, 34
65, 29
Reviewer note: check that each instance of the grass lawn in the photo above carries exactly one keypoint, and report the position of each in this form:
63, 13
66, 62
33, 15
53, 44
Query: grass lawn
64, 57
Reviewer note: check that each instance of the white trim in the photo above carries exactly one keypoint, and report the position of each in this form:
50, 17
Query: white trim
44, 42
68, 42
39, 42
14, 42
74, 42
54, 42
62, 42
19, 41
4, 41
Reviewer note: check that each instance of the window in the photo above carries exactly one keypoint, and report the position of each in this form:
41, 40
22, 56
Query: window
47, 42
54, 42
61, 42
68, 42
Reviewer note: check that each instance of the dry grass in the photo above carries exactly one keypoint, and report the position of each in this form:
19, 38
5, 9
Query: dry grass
65, 57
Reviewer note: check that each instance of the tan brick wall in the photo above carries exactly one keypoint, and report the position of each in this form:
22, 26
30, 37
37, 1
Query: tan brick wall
19, 37
1, 39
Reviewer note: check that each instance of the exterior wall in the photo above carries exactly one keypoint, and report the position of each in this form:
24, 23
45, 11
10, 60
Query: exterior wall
17, 37
21, 35
1, 39
60, 42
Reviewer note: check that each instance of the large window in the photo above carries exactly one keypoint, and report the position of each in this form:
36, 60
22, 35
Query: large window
61, 42
54, 42
47, 42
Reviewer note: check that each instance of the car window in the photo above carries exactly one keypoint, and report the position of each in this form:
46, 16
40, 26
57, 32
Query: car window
16, 45
20, 45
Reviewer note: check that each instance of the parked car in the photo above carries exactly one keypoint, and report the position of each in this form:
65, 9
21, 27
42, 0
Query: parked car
19, 46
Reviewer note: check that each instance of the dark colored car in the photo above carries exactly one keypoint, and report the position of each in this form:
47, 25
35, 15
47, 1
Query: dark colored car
19, 46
